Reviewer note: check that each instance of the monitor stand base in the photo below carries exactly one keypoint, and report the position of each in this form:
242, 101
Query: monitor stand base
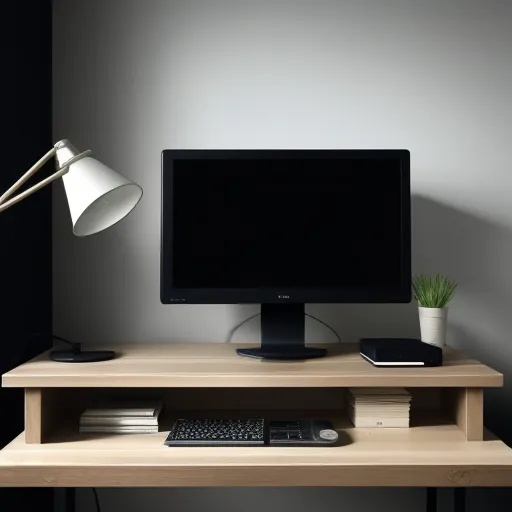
283, 335
283, 353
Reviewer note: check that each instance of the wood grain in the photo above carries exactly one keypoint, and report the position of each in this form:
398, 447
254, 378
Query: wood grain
33, 415
469, 412
50, 409
433, 452
434, 456
202, 365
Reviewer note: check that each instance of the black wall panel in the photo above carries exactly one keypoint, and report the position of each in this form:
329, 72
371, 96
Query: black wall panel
25, 229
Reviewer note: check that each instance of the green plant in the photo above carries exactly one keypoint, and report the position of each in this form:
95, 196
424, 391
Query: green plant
433, 291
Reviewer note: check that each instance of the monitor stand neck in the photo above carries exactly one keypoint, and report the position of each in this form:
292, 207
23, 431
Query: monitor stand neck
283, 334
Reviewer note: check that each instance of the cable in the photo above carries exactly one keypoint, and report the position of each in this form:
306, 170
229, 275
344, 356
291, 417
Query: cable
27, 347
232, 332
62, 339
230, 335
49, 335
326, 325
76, 346
96, 499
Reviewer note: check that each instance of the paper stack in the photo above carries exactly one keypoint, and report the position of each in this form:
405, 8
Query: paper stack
121, 419
379, 407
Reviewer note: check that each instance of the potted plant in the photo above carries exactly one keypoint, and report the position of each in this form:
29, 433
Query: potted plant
433, 294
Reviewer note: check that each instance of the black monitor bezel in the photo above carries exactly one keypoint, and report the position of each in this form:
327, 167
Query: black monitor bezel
172, 295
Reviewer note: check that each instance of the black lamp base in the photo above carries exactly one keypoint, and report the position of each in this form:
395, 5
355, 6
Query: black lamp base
86, 356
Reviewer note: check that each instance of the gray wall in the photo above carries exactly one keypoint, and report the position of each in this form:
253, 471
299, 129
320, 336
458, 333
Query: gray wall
133, 77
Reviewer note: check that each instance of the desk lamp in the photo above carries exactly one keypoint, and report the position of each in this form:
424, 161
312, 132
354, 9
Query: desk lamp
98, 198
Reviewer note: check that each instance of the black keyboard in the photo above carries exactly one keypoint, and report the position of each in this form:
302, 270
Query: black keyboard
253, 432
217, 433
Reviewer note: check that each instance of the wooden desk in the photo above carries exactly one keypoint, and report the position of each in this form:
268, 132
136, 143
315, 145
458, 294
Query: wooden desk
445, 446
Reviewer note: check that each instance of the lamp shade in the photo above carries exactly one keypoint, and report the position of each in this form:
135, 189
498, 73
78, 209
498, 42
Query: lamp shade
98, 197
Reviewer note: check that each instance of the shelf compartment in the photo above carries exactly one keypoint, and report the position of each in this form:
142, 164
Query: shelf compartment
48, 410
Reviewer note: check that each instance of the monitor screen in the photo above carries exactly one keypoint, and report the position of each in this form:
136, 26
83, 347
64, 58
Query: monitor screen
285, 224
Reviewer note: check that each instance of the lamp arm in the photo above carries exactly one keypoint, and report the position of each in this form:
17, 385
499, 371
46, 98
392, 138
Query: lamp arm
4, 203
28, 175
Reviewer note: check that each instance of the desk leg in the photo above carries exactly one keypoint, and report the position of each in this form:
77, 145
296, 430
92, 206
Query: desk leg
70, 499
431, 499
459, 499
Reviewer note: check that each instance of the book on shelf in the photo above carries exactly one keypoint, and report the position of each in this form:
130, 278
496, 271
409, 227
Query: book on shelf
105, 429
125, 410
378, 422
379, 407
119, 421
121, 418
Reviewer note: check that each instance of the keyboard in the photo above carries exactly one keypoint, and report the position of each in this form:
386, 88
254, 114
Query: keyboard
252, 432
302, 433
186, 432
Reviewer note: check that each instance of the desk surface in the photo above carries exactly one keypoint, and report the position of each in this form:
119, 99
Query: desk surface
217, 365
433, 452
436, 455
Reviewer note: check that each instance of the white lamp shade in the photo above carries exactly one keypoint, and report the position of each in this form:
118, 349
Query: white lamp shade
98, 197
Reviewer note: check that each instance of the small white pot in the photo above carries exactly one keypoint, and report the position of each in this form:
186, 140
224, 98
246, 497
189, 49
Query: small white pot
433, 325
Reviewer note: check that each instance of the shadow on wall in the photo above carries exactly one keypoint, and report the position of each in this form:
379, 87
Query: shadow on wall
478, 254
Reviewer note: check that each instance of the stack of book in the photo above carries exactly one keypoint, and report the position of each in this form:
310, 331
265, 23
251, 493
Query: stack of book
379, 407
121, 419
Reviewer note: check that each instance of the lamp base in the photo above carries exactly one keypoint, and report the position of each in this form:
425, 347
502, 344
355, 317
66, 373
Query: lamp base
86, 356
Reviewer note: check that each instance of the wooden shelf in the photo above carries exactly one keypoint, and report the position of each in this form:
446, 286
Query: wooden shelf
205, 365
446, 413
435, 455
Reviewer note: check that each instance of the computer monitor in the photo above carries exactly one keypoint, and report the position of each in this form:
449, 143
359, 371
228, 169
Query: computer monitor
284, 228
